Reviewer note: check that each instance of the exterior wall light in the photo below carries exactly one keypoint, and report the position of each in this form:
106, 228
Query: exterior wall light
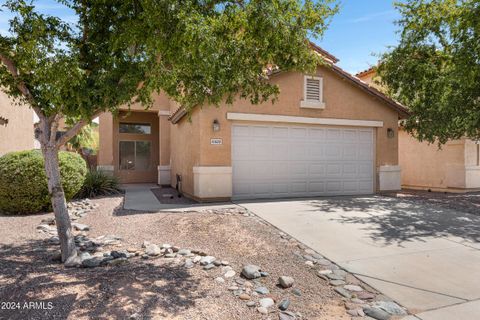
390, 133
3, 121
216, 125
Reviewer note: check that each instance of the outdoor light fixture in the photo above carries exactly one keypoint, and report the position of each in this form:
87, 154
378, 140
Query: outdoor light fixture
216, 125
390, 133
3, 121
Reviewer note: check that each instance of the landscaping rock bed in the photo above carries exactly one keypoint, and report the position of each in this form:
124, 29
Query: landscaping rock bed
213, 264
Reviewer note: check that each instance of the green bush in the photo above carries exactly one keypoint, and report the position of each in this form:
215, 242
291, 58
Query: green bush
23, 183
98, 183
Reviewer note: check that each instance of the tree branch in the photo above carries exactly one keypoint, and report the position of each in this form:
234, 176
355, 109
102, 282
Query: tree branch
54, 128
21, 86
76, 129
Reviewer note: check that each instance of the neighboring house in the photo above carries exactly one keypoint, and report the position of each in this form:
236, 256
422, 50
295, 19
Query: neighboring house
16, 126
453, 168
327, 134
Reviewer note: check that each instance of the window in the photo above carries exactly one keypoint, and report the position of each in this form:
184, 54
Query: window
135, 155
135, 128
313, 93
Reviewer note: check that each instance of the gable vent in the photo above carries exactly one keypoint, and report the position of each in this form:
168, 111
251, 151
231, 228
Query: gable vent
313, 89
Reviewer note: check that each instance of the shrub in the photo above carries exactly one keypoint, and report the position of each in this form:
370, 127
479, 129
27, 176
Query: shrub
98, 183
23, 183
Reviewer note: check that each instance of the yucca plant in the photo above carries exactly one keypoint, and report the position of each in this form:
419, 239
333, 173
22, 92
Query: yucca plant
98, 183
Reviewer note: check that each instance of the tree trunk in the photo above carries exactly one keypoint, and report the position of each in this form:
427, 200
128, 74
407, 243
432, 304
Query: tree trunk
62, 219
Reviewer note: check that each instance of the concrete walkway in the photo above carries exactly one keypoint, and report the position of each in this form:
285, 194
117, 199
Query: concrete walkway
139, 197
425, 258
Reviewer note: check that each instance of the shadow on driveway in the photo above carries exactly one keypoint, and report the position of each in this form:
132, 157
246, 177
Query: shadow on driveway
398, 220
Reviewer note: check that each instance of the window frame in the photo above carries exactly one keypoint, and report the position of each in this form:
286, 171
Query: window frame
134, 155
149, 124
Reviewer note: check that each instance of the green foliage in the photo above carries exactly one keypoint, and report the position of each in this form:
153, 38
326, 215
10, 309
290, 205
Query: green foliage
88, 138
23, 184
198, 52
98, 183
435, 69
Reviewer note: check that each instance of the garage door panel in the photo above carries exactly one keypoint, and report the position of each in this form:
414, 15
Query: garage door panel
280, 170
241, 131
262, 188
279, 132
241, 150
261, 151
280, 187
333, 135
365, 170
365, 186
350, 186
349, 152
298, 133
242, 170
316, 134
279, 151
349, 135
298, 187
350, 170
242, 189
333, 187
295, 161
317, 187
317, 169
334, 170
365, 152
365, 136
298, 151
333, 151
298, 170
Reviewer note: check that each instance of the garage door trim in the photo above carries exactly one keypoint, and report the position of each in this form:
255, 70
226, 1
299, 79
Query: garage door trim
303, 120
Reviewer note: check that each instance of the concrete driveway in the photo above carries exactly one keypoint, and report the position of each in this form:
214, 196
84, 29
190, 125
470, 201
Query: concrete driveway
425, 257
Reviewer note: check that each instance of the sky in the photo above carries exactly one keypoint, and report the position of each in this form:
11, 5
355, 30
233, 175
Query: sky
360, 29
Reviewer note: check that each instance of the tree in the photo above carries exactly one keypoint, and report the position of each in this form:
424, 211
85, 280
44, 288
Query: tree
435, 69
119, 52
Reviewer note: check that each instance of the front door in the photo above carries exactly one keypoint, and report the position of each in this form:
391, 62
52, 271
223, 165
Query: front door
136, 147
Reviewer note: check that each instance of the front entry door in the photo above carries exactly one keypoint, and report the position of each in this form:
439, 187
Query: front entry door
137, 147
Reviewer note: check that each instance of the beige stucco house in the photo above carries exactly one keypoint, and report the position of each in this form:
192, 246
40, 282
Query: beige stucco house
453, 168
328, 134
16, 126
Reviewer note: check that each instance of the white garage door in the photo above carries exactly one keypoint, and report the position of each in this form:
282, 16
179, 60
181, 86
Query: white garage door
275, 161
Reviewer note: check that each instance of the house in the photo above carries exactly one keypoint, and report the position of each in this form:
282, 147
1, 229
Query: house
453, 168
16, 126
327, 134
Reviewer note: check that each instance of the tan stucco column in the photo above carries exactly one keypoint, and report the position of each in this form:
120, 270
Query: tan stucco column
105, 144
164, 149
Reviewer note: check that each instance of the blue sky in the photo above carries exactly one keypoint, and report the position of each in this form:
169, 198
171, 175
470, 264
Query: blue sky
361, 28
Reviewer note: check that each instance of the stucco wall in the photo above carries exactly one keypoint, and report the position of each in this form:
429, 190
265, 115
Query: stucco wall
343, 100
185, 151
18, 134
105, 143
425, 166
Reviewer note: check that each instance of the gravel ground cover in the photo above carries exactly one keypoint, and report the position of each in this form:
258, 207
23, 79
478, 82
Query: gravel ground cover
159, 287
